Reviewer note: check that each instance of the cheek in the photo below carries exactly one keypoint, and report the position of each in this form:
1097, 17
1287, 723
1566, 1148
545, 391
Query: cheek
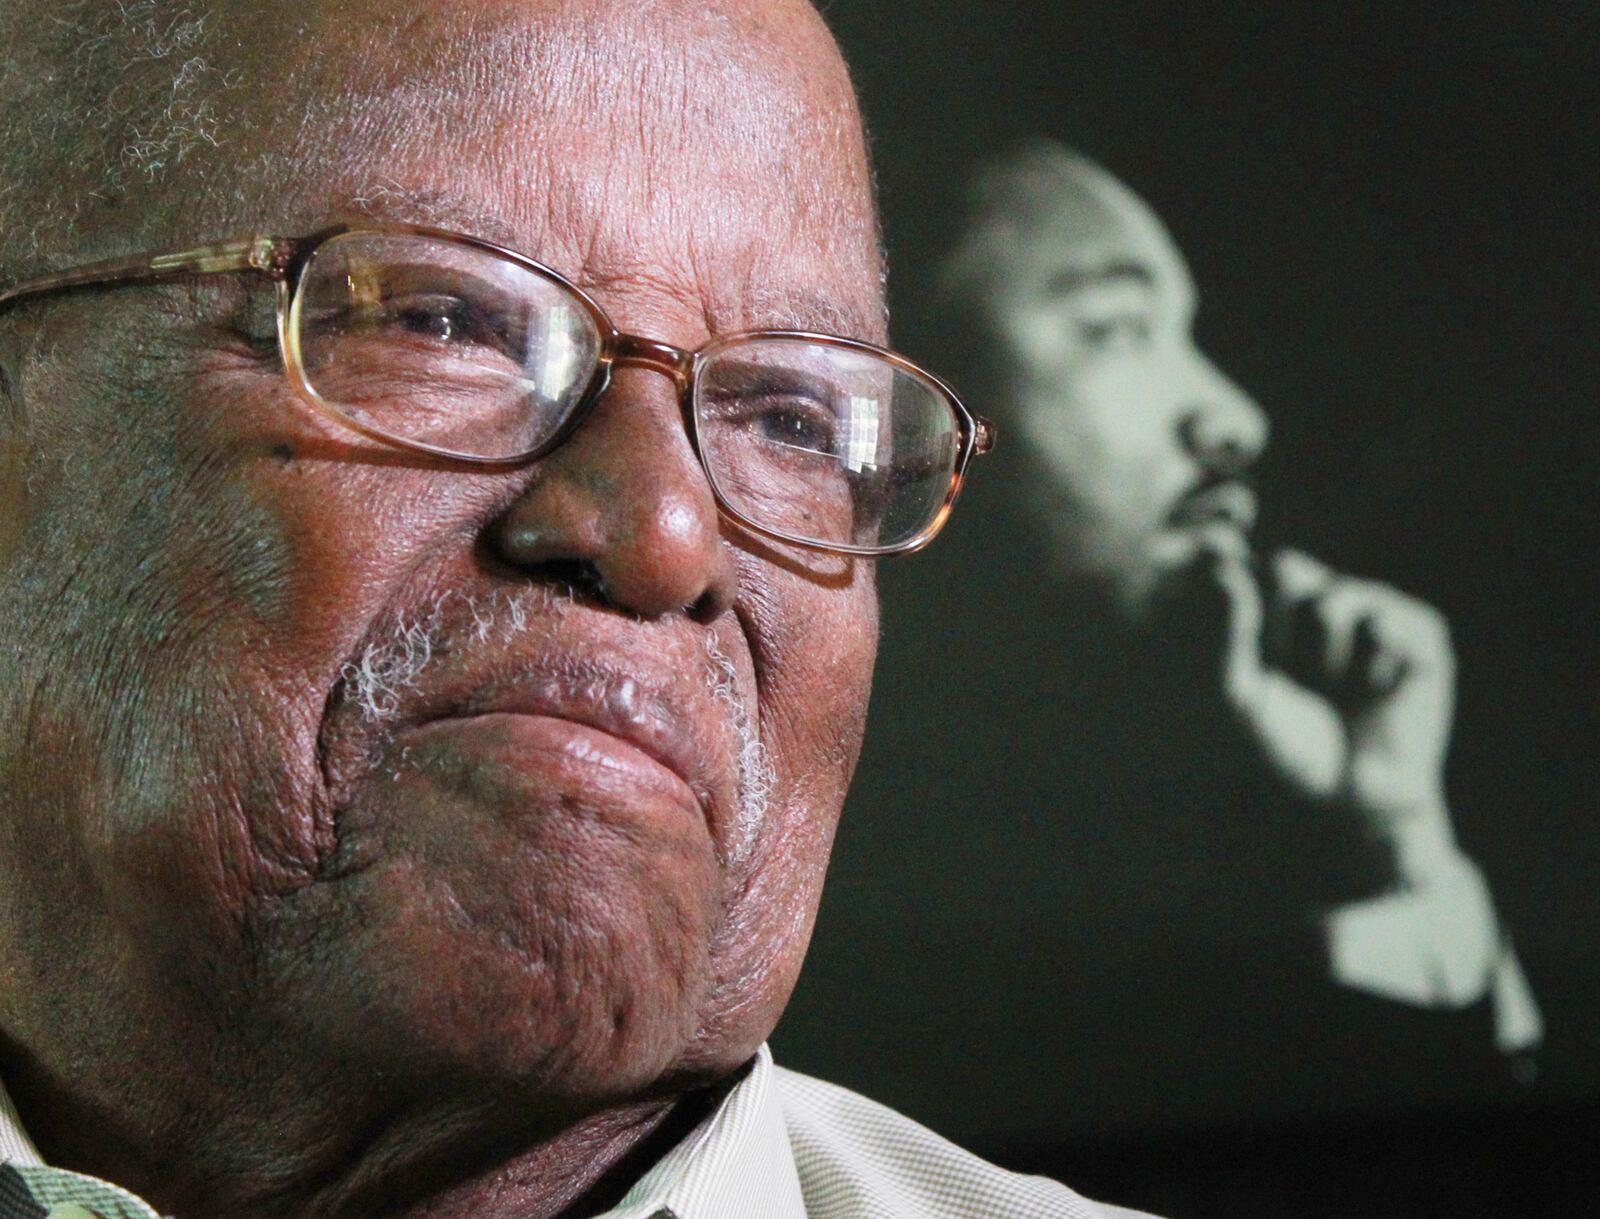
814, 652
813, 648
1109, 436
311, 528
816, 649
165, 651
268, 564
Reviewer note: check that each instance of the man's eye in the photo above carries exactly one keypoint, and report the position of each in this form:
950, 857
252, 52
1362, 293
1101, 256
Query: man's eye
447, 320
443, 321
1121, 332
796, 423
438, 319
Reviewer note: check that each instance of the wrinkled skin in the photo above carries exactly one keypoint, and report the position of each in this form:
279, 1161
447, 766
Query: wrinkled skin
263, 955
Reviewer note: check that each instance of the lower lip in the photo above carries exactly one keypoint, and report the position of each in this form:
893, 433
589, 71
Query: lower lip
1234, 508
567, 754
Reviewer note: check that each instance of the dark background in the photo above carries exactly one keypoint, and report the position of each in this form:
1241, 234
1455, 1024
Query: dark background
1389, 211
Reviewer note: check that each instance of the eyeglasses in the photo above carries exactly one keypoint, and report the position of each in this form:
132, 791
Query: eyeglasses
452, 346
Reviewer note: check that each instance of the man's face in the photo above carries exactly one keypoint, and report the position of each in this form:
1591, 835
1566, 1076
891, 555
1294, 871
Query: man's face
338, 765
1138, 434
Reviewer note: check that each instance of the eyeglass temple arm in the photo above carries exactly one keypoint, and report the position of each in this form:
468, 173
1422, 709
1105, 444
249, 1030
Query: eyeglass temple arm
265, 254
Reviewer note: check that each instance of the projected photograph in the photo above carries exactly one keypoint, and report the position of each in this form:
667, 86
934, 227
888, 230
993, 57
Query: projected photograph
1230, 833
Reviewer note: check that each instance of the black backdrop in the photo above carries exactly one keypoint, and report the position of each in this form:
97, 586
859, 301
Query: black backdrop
1389, 210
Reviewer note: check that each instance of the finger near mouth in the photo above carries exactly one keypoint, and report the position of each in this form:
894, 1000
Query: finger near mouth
1179, 545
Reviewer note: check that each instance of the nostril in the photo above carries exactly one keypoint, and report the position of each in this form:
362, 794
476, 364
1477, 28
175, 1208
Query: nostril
1189, 433
1216, 447
579, 578
1230, 456
708, 607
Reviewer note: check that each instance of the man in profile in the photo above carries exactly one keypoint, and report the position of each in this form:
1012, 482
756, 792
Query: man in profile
437, 588
1194, 788
1340, 687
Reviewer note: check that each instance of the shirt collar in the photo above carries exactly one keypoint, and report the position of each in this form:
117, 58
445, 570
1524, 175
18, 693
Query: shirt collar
736, 1163
15, 1145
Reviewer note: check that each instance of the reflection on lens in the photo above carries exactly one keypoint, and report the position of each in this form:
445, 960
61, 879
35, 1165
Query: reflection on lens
825, 443
442, 344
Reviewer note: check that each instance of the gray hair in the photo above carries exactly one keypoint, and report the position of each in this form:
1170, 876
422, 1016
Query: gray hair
98, 99
394, 661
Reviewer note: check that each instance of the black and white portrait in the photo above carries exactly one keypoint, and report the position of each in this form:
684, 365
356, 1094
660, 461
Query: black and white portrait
1244, 706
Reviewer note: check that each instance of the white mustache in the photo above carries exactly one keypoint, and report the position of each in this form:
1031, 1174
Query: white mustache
393, 664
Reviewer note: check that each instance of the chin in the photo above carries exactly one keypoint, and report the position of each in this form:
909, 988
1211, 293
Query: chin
576, 984
572, 1033
1121, 581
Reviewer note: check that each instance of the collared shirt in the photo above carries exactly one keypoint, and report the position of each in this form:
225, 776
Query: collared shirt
779, 1146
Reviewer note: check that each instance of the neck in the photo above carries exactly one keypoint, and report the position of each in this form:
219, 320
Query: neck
429, 1162
579, 1172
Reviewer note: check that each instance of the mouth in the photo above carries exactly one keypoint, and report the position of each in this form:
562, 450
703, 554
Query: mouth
1229, 502
592, 756
596, 724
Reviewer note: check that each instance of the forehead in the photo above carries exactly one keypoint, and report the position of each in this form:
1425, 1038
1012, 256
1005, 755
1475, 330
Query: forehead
1069, 223
710, 151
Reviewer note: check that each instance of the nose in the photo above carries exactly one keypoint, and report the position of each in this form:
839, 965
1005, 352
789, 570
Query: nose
1220, 425
624, 507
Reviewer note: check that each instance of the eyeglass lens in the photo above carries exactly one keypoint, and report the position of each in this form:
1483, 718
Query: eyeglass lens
823, 443
444, 344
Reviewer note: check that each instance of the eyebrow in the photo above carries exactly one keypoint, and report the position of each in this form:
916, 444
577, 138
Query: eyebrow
1078, 279
807, 309
442, 209
781, 309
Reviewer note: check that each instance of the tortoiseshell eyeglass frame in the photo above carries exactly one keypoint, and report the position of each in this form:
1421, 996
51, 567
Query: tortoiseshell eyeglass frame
285, 259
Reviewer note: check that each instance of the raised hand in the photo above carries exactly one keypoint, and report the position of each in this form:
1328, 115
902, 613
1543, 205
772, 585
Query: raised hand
1346, 690
1348, 686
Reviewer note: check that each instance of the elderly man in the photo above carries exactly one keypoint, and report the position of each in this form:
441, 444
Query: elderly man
445, 448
